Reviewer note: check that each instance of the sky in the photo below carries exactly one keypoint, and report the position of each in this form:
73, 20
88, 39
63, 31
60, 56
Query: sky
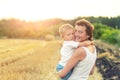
32, 10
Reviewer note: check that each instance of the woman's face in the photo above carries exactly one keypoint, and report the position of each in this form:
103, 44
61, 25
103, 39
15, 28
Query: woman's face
80, 33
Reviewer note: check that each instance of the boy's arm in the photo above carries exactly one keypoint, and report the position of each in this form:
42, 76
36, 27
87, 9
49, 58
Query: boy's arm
85, 43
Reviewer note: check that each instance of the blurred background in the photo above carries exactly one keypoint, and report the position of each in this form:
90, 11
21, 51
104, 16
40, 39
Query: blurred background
30, 42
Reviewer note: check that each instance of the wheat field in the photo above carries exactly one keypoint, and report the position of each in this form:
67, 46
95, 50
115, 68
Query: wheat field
31, 60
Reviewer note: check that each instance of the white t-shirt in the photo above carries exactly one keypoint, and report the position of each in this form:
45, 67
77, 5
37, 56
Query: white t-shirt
82, 69
67, 51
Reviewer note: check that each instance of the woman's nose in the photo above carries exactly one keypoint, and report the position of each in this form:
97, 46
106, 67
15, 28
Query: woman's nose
76, 33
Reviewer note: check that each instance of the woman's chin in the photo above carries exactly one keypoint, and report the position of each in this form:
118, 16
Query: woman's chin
77, 40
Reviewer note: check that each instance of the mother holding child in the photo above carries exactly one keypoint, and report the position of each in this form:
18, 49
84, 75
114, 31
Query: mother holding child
78, 53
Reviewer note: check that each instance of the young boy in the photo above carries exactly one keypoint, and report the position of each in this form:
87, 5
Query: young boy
66, 32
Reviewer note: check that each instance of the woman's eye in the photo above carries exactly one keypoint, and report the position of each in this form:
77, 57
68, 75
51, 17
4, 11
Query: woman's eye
80, 32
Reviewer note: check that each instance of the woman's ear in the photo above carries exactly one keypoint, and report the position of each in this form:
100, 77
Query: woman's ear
88, 37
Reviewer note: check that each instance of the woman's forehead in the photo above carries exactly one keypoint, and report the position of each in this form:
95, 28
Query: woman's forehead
80, 27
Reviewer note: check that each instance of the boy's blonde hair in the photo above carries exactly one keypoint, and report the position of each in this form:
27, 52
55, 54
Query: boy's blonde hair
64, 28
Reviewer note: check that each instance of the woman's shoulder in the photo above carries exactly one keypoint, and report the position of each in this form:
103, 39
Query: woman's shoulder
91, 48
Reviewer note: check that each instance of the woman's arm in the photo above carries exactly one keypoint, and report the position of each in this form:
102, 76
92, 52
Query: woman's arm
78, 55
92, 71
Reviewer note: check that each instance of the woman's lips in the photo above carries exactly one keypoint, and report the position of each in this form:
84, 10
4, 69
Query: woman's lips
77, 38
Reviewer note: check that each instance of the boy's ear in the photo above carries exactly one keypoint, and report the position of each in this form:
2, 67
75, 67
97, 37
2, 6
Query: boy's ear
61, 36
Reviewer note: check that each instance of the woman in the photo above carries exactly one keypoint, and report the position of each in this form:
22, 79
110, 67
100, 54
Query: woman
83, 59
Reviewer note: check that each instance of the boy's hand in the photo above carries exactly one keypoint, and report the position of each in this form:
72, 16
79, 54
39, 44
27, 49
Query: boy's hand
87, 43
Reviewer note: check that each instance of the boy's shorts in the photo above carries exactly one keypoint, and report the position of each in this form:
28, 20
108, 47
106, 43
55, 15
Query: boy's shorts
60, 67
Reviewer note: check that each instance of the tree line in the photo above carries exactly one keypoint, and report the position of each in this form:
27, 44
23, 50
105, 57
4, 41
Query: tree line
113, 22
107, 29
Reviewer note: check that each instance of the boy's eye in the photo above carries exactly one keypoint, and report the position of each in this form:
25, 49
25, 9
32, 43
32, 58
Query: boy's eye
80, 32
68, 34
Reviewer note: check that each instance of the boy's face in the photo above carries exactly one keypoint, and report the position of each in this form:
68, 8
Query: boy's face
69, 35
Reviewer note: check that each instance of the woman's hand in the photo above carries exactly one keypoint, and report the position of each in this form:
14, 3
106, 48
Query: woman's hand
60, 74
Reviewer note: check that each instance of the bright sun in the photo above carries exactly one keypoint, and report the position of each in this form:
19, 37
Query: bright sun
66, 9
